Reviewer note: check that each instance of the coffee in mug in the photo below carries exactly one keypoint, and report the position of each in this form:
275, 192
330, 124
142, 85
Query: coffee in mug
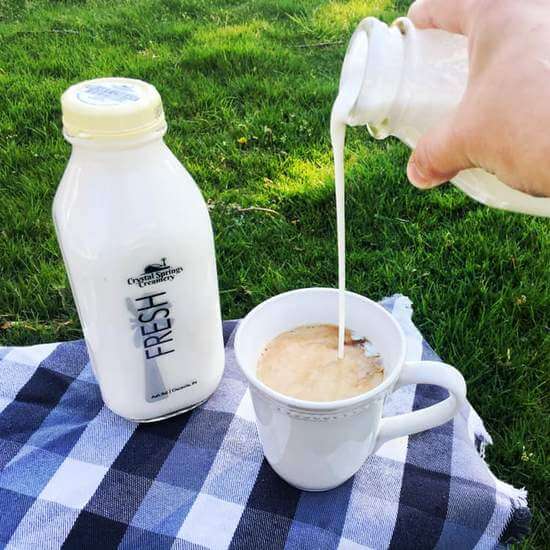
303, 363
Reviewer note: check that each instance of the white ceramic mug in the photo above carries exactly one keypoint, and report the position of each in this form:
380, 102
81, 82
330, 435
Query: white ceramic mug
316, 446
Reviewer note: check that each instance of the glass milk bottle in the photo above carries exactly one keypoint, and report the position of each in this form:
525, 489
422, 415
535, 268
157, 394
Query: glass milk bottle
400, 81
138, 247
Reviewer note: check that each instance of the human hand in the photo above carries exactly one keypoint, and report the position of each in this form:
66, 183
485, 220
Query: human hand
502, 123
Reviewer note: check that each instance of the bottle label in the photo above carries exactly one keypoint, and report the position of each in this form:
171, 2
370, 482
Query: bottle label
155, 273
108, 94
153, 328
155, 325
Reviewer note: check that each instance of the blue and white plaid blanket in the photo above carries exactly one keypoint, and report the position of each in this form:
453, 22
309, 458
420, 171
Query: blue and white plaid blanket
74, 474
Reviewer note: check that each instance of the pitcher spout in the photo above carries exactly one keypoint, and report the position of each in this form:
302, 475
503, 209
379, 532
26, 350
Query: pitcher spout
371, 76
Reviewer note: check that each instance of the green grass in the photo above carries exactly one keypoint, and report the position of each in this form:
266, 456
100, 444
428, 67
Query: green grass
231, 69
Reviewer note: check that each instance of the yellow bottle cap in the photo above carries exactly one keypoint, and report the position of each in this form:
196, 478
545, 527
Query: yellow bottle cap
111, 108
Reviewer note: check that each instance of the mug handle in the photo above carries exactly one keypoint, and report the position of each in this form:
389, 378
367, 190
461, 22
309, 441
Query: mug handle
425, 372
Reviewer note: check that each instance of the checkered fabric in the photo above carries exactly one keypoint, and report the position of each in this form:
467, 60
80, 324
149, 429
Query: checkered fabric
74, 474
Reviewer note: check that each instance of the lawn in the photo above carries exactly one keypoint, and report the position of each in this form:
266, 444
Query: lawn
247, 88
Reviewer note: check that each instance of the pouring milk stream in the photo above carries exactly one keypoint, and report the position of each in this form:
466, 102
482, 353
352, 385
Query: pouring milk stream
400, 81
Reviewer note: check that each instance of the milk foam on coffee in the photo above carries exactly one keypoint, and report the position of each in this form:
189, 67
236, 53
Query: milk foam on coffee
303, 363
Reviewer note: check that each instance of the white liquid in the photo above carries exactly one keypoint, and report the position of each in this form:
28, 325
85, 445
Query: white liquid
351, 81
338, 138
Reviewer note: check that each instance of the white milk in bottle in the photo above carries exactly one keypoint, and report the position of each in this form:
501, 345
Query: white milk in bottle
138, 246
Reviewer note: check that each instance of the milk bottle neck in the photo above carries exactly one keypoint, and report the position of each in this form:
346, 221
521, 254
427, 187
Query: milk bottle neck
400, 81
117, 145
372, 75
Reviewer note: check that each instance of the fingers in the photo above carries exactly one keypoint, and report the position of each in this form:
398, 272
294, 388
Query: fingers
448, 15
441, 153
439, 156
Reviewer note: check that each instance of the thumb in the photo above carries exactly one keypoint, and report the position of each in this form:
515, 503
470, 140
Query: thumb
439, 155
438, 14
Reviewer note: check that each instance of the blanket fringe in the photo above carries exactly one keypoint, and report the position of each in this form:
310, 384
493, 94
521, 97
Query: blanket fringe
518, 524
